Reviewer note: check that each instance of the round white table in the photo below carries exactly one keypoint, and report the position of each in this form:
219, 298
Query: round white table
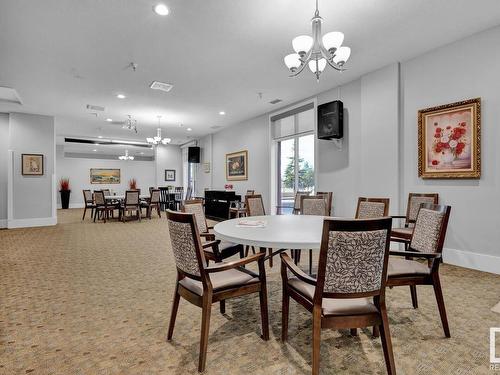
280, 232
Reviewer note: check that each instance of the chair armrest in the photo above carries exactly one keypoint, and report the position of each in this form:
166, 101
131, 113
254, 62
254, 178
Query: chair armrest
218, 267
210, 227
415, 254
208, 236
210, 244
301, 275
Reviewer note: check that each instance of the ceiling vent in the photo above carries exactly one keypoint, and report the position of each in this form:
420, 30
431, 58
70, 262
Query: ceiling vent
216, 127
9, 95
275, 101
155, 85
95, 108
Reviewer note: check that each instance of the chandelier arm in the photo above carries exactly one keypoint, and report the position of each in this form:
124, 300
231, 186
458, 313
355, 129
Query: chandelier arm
304, 60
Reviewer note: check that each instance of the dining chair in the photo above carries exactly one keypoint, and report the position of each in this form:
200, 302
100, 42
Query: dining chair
255, 207
204, 285
415, 200
152, 202
88, 200
426, 243
297, 199
370, 208
349, 290
328, 195
131, 204
106, 192
102, 208
224, 249
311, 205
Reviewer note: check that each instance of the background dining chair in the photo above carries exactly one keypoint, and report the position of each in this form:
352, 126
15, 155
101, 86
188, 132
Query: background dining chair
296, 201
202, 285
415, 200
426, 243
328, 195
224, 249
131, 204
255, 207
350, 287
88, 200
370, 208
152, 202
102, 208
311, 205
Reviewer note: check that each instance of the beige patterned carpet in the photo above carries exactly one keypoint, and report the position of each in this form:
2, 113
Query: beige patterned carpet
85, 298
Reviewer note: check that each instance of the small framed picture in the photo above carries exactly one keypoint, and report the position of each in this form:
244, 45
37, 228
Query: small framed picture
169, 174
32, 164
237, 166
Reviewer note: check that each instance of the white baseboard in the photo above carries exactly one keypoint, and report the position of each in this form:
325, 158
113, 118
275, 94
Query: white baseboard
35, 222
476, 261
72, 205
3, 223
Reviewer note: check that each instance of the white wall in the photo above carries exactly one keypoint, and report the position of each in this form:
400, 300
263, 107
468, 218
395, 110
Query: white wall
463, 70
31, 198
168, 157
4, 158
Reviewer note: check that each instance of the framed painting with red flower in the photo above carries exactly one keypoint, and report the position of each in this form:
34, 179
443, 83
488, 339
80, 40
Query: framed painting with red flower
449, 140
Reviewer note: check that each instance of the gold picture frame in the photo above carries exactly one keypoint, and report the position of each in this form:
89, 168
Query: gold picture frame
32, 164
237, 166
105, 176
449, 141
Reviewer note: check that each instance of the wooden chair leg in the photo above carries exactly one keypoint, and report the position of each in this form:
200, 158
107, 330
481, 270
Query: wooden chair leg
247, 250
264, 311
222, 306
316, 341
436, 283
271, 258
285, 314
310, 261
354, 331
205, 326
376, 331
84, 211
173, 314
385, 337
414, 299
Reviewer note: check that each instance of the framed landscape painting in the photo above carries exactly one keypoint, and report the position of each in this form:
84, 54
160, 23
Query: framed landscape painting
237, 166
32, 164
449, 140
104, 176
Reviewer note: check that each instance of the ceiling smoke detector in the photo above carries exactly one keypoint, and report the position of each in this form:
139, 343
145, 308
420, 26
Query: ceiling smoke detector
275, 101
95, 107
157, 85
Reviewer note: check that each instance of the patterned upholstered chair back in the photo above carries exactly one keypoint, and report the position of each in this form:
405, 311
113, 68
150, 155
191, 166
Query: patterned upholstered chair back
87, 196
298, 197
132, 198
328, 196
250, 192
430, 228
313, 205
99, 198
155, 196
415, 200
106, 192
372, 208
354, 256
185, 243
255, 205
195, 206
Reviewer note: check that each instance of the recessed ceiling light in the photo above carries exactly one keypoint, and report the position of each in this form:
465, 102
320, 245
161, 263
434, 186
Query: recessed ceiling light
94, 150
222, 113
189, 129
142, 153
99, 136
121, 96
160, 9
109, 120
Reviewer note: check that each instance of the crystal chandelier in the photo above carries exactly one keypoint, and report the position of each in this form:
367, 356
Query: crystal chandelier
126, 156
158, 139
316, 52
130, 124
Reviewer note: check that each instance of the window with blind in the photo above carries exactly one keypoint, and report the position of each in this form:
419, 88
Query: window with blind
293, 132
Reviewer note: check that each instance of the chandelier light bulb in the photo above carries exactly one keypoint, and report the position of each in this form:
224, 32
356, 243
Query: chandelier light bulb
302, 44
333, 40
292, 61
321, 65
342, 55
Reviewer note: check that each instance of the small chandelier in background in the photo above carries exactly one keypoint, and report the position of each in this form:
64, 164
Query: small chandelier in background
316, 52
130, 124
126, 156
158, 139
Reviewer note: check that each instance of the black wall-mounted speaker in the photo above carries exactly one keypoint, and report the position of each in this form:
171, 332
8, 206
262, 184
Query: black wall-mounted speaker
193, 154
331, 120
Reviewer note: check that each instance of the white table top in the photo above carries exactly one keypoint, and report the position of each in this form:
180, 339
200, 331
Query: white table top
281, 232
122, 196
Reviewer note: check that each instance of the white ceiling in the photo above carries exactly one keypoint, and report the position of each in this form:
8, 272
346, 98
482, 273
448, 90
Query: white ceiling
61, 55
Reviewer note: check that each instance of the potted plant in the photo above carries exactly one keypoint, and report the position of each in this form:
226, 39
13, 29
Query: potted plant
65, 192
132, 184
